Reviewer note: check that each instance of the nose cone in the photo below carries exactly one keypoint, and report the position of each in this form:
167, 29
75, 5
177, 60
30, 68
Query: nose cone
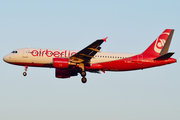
7, 58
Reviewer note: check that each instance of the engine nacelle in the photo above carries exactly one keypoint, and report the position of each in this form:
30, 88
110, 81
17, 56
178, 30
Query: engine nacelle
61, 62
60, 73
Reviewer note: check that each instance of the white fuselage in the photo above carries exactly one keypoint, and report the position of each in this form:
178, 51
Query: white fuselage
45, 56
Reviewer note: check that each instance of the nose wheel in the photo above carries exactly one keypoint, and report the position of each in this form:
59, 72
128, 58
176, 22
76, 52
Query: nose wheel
24, 73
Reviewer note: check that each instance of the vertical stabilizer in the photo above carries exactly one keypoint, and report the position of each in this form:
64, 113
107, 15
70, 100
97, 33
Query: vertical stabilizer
161, 45
167, 44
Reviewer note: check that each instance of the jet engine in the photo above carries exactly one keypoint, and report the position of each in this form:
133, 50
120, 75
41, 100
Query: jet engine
61, 62
60, 73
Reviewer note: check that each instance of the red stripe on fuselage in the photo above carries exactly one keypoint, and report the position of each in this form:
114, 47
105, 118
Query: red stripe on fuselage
118, 65
134, 64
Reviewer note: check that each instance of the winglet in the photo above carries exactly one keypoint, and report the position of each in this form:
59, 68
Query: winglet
105, 39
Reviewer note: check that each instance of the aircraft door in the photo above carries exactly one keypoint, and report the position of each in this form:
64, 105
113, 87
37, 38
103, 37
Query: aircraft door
140, 59
25, 53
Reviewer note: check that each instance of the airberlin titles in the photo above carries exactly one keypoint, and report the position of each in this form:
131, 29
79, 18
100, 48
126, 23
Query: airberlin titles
50, 53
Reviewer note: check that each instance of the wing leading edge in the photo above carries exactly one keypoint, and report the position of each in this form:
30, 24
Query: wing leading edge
86, 54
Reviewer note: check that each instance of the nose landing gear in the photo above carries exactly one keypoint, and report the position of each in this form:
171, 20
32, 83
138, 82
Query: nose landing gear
24, 73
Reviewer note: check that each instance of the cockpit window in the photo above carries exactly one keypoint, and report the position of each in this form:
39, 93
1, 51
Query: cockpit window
14, 51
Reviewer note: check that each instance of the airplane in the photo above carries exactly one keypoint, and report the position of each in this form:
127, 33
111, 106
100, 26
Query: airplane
68, 63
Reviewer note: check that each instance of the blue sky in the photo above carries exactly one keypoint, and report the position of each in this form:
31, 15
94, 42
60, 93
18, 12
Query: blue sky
131, 26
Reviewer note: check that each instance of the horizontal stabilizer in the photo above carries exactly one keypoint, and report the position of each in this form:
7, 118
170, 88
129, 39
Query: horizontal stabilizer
165, 56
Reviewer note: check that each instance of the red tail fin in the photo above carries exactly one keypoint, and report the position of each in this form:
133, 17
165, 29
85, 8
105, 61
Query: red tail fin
161, 45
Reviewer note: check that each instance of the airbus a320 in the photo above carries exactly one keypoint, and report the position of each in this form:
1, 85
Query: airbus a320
68, 63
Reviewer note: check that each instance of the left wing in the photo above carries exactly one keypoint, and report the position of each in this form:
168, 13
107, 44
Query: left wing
85, 55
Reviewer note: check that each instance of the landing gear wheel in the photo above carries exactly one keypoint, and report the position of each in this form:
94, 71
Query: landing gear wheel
83, 73
24, 73
84, 80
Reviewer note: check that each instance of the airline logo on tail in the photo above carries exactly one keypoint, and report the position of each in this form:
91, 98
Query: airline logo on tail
160, 42
159, 45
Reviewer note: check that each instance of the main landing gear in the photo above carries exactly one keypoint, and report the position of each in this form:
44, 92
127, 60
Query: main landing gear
24, 73
83, 74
